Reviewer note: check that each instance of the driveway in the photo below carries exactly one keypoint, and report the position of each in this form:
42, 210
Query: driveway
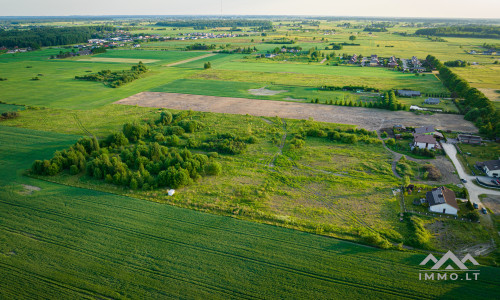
474, 190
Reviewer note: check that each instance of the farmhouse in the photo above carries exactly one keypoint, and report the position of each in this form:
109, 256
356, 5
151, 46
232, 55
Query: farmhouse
490, 167
469, 139
425, 130
442, 200
374, 61
432, 101
408, 93
423, 141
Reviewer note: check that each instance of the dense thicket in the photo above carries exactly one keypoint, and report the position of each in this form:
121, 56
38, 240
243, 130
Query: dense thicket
474, 31
50, 36
138, 156
117, 78
476, 106
375, 29
203, 24
199, 46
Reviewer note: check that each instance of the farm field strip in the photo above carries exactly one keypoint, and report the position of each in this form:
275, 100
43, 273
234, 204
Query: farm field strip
370, 119
190, 60
118, 60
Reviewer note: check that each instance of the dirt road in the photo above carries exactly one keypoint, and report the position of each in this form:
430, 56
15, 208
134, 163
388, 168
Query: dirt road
370, 119
189, 60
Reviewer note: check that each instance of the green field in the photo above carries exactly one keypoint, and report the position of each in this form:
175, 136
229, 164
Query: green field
77, 243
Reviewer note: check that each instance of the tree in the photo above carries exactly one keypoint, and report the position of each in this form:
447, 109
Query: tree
352, 37
207, 65
166, 117
391, 142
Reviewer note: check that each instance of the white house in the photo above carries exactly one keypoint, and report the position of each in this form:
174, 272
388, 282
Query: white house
423, 141
442, 200
491, 167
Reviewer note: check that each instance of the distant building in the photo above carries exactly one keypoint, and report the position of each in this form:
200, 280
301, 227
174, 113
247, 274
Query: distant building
374, 61
442, 200
433, 101
424, 141
425, 130
392, 62
469, 139
490, 167
408, 93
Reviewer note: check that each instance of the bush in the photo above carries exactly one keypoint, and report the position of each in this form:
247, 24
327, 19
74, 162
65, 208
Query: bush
390, 142
213, 168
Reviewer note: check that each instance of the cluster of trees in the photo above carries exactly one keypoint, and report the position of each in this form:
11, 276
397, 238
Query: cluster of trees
390, 102
348, 88
135, 157
199, 46
72, 53
207, 65
50, 36
243, 50
118, 78
287, 48
9, 115
476, 106
473, 31
280, 41
456, 63
375, 29
227, 143
204, 24
3, 79
423, 152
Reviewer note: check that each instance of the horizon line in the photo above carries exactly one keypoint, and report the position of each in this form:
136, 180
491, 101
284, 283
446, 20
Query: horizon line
246, 15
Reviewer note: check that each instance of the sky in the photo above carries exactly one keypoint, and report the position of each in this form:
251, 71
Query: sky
380, 8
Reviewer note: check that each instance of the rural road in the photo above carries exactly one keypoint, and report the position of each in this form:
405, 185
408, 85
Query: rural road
189, 60
474, 190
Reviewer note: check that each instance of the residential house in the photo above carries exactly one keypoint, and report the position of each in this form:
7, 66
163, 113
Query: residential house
408, 93
433, 101
354, 59
392, 62
442, 200
424, 141
425, 130
490, 167
374, 62
469, 139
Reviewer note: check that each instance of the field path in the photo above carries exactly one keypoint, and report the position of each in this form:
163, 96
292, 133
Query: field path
368, 118
189, 60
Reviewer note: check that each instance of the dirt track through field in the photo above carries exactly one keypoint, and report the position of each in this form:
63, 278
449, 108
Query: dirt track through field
189, 60
370, 119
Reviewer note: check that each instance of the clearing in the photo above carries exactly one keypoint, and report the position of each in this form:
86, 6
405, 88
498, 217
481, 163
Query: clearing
370, 119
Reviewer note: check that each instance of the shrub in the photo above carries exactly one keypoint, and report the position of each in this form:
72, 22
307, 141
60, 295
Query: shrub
213, 168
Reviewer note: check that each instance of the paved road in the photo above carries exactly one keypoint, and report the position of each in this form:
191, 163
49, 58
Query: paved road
474, 190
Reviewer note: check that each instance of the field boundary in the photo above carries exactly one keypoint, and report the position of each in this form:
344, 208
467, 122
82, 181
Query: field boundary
189, 60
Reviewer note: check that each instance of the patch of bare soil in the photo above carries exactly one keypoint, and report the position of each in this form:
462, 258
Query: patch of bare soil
29, 189
493, 203
265, 92
370, 119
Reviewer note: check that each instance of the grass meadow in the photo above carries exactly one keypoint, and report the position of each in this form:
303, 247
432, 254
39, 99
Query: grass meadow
62, 241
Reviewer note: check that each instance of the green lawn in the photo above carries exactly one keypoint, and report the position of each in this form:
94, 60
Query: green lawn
68, 242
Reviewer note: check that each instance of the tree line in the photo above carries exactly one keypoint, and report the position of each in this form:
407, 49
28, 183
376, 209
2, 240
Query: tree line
204, 24
476, 106
50, 36
473, 31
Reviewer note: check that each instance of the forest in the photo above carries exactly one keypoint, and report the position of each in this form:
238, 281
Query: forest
50, 36
473, 31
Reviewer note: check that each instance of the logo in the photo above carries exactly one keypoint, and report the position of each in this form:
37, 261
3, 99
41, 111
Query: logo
449, 267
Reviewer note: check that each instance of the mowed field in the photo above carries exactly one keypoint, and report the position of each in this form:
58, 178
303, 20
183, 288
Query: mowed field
60, 241
57, 87
371, 119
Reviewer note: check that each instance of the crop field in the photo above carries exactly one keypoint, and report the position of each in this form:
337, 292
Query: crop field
92, 244
118, 60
